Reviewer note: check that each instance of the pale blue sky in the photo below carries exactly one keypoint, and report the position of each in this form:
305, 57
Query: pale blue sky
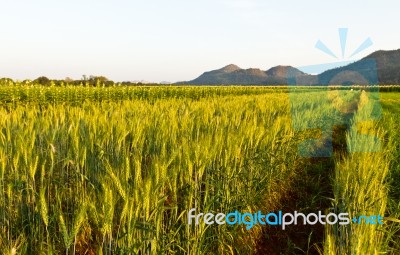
177, 40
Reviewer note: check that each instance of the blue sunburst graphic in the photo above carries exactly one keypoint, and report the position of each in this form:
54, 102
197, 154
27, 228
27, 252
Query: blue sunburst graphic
343, 41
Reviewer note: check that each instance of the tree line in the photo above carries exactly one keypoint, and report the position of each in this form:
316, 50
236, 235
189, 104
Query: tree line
91, 81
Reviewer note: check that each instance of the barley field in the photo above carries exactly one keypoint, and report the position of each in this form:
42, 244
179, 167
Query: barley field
115, 170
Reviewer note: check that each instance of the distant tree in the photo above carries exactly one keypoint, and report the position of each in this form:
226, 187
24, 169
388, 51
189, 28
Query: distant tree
97, 81
68, 80
127, 83
26, 82
43, 80
98, 78
6, 81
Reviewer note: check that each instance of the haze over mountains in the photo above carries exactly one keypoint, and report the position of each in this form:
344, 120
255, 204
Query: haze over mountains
380, 67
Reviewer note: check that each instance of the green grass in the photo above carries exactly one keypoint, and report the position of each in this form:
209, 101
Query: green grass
119, 176
366, 181
115, 170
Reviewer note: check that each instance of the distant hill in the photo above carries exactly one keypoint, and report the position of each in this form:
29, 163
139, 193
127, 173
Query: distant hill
380, 67
230, 74
233, 75
388, 63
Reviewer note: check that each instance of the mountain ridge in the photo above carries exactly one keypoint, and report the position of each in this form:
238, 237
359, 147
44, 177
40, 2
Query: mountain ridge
380, 67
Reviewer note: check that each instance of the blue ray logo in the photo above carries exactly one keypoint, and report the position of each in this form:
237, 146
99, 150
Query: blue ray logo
343, 42
344, 60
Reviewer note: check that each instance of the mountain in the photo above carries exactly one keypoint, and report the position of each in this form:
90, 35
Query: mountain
388, 63
284, 71
234, 75
229, 68
230, 74
380, 67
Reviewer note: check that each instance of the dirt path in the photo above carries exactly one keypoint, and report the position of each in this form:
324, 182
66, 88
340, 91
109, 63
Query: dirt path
310, 193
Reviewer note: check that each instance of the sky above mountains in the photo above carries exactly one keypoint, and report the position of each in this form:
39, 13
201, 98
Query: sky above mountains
178, 40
